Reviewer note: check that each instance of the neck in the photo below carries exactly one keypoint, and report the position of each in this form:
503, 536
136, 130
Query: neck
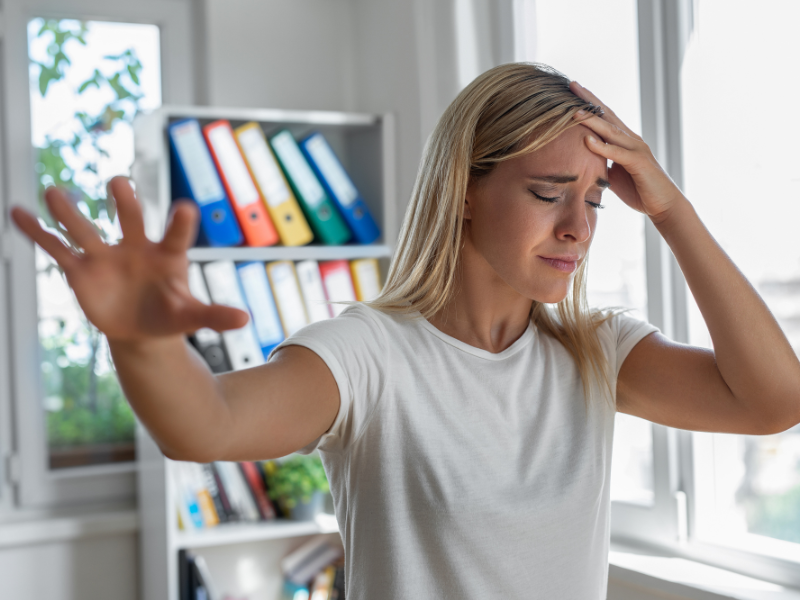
484, 312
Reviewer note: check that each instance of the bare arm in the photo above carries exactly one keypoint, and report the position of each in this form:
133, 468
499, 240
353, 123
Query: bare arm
263, 412
136, 292
749, 383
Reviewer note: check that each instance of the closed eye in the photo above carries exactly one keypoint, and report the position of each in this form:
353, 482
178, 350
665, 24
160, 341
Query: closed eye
545, 198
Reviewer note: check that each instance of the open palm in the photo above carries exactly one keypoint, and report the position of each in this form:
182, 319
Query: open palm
136, 289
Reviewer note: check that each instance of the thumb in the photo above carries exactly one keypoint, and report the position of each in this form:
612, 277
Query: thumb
219, 317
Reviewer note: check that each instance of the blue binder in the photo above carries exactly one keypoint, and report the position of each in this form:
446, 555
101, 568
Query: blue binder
257, 293
193, 175
340, 187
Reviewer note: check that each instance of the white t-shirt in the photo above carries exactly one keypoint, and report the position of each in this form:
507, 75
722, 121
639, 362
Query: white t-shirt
459, 473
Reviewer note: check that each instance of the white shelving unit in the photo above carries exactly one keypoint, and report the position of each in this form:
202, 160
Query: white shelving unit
236, 552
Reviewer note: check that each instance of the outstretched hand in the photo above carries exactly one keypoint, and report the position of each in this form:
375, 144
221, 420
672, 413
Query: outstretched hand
635, 175
136, 289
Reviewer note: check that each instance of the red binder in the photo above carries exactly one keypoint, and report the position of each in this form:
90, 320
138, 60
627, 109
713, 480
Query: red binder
248, 205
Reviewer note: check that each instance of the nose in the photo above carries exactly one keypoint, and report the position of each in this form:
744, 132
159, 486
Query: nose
574, 222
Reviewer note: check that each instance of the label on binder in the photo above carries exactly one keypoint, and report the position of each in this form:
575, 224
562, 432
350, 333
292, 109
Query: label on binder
313, 292
265, 314
332, 170
197, 163
298, 168
244, 191
265, 168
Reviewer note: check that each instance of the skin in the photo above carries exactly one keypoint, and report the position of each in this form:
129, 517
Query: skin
749, 384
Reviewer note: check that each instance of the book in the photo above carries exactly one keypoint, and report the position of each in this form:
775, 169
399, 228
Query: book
188, 507
338, 283
340, 187
321, 587
227, 506
263, 310
366, 278
302, 564
288, 297
325, 220
247, 203
238, 492
207, 341
255, 482
201, 493
194, 176
282, 206
241, 344
210, 484
313, 292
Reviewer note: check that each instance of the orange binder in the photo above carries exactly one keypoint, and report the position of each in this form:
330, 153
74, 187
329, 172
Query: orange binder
247, 202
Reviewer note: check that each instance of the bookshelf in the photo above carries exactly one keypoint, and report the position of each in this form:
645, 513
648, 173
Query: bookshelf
251, 552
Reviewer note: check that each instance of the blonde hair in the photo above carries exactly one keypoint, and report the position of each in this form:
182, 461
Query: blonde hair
507, 111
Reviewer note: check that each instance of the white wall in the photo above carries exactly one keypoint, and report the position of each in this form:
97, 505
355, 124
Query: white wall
94, 568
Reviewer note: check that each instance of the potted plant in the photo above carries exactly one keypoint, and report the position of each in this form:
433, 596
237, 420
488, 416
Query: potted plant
298, 484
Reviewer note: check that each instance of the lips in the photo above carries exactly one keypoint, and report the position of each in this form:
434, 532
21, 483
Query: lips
565, 264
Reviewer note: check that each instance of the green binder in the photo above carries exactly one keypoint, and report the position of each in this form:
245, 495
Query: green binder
322, 215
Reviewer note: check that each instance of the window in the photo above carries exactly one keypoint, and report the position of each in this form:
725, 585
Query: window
88, 81
742, 173
557, 35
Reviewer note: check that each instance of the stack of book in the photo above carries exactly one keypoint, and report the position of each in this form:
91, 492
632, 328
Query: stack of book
314, 571
281, 297
222, 492
255, 190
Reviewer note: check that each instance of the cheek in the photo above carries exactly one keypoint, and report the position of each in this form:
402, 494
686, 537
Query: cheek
513, 222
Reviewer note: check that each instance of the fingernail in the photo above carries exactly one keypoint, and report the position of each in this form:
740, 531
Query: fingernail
580, 113
578, 84
591, 139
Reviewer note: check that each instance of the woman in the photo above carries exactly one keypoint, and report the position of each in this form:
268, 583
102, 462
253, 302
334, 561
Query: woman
465, 427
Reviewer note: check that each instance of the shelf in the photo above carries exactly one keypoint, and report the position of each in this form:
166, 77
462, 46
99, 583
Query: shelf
244, 253
237, 533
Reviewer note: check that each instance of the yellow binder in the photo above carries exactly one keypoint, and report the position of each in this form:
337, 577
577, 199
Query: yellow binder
289, 220
366, 278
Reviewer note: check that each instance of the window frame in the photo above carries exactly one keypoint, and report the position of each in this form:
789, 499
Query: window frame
34, 484
670, 524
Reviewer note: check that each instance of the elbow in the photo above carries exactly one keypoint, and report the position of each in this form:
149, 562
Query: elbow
196, 455
778, 422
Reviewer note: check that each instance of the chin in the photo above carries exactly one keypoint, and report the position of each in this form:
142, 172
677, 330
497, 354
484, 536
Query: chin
550, 296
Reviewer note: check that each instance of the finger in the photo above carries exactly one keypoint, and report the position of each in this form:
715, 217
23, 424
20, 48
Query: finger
29, 225
129, 210
608, 114
608, 131
182, 227
216, 316
80, 229
618, 154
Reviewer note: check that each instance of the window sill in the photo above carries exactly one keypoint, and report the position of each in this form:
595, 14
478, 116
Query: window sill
28, 527
688, 579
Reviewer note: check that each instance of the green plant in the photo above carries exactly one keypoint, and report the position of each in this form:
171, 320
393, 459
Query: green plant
295, 479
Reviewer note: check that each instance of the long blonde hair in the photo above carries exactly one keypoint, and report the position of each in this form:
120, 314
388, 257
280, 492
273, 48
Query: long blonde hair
507, 111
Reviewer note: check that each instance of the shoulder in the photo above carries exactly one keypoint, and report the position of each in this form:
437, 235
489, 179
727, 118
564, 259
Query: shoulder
620, 331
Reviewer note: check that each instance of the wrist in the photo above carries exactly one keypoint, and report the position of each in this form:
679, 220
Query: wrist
679, 211
148, 346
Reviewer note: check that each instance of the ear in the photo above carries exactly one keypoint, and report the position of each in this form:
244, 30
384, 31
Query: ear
467, 213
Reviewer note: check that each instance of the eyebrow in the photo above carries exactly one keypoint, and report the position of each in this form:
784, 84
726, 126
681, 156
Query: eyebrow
600, 182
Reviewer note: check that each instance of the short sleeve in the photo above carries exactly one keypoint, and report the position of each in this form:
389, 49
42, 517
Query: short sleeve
354, 347
628, 331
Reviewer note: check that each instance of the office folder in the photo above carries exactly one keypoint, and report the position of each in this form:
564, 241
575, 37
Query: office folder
194, 176
245, 198
320, 211
223, 284
312, 290
338, 283
366, 278
339, 186
259, 298
207, 341
290, 303
281, 204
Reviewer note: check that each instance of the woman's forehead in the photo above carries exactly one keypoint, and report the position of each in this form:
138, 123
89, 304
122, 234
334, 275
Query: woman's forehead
567, 152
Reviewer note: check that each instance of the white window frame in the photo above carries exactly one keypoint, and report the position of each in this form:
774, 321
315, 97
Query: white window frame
670, 524
34, 484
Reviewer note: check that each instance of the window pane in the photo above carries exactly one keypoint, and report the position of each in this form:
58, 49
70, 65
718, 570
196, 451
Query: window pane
743, 177
87, 81
564, 34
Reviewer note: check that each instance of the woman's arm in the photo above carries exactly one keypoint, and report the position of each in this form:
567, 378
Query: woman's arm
750, 382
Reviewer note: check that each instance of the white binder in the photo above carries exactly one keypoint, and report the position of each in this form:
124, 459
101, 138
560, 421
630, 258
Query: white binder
313, 292
287, 296
242, 345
